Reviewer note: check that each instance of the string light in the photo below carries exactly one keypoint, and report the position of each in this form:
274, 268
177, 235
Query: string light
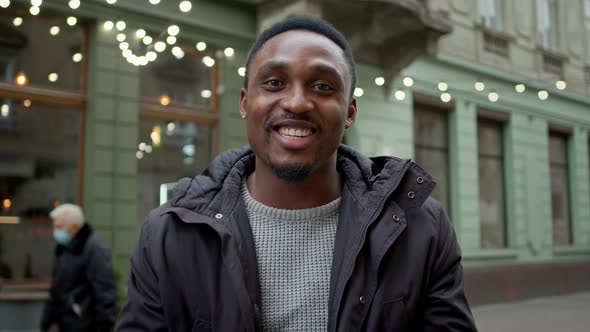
178, 52
160, 46
171, 40
408, 81
379, 81
34, 11
141, 146
561, 85
229, 52
445, 97
127, 53
108, 25
111, 2
151, 56
4, 3
201, 46
36, 3
27, 102
443, 86
242, 71
77, 57
493, 96
74, 4
121, 25
358, 92
479, 86
208, 61
18, 21
139, 154
185, 6
206, 94
54, 30
140, 33
53, 77
72, 21
147, 40
400, 95
173, 30
520, 88
154, 2
543, 95
121, 37
5, 110
148, 149
124, 46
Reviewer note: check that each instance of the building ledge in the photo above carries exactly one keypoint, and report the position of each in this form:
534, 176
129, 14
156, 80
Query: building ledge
572, 251
489, 254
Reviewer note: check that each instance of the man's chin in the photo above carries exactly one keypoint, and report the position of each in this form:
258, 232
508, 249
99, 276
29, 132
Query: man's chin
291, 172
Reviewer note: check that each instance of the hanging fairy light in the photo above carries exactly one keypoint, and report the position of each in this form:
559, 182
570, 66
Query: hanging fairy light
18, 21
171, 40
154, 2
72, 21
201, 46
160, 46
108, 25
77, 57
140, 33
121, 37
36, 3
493, 96
445, 97
479, 86
173, 30
443, 86
34, 11
4, 3
147, 40
185, 6
54, 30
520, 88
21, 79
379, 81
121, 25
178, 52
543, 95
165, 100
358, 92
53, 77
242, 71
561, 85
74, 4
111, 2
206, 93
208, 61
229, 52
399, 95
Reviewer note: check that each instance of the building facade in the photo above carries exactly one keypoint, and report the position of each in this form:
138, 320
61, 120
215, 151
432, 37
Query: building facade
108, 103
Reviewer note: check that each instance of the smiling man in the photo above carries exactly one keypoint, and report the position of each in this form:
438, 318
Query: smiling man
297, 232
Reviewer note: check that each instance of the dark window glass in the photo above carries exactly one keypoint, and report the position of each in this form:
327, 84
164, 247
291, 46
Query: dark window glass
179, 82
491, 184
432, 149
40, 52
560, 201
38, 170
167, 152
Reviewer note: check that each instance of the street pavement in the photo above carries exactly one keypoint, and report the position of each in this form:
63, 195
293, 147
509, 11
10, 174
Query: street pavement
565, 313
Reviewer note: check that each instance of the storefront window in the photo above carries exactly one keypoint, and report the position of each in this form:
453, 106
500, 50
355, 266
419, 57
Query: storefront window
40, 116
560, 200
168, 151
491, 184
432, 149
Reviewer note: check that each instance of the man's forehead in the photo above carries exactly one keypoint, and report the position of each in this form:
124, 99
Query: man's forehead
292, 41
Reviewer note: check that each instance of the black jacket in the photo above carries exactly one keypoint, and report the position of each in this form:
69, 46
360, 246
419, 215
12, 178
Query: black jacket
396, 263
83, 292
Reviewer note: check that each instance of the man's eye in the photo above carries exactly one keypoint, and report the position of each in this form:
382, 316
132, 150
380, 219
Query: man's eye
323, 87
274, 83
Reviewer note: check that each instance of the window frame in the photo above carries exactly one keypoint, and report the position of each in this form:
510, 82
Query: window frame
564, 133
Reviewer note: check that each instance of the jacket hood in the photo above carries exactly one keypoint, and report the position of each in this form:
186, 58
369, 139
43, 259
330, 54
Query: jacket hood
370, 180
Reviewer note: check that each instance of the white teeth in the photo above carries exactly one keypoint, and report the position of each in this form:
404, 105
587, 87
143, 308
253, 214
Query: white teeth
295, 132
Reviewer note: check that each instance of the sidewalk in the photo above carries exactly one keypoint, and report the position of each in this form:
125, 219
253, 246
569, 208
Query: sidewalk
566, 313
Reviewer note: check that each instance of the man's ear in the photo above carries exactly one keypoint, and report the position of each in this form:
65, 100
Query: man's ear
243, 103
351, 112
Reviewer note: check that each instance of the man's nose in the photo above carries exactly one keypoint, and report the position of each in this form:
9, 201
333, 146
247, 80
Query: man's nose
296, 100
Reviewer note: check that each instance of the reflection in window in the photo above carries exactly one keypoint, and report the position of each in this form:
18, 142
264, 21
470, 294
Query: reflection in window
547, 23
178, 81
490, 12
38, 170
167, 152
560, 202
40, 52
432, 149
491, 184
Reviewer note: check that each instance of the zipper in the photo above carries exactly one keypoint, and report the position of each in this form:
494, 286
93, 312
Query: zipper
364, 236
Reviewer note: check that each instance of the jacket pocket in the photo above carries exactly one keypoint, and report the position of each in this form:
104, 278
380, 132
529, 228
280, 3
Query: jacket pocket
200, 325
394, 316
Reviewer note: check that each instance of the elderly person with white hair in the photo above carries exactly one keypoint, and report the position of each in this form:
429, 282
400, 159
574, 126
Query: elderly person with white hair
83, 291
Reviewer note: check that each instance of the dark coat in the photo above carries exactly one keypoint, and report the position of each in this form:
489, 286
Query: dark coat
396, 263
83, 291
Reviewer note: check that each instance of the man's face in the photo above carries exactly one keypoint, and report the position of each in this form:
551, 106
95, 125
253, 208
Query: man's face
297, 102
60, 223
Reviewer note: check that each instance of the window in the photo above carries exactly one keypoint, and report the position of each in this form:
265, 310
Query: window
177, 122
491, 184
432, 149
560, 201
490, 12
40, 145
547, 23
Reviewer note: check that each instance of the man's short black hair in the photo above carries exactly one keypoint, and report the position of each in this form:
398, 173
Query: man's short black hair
304, 23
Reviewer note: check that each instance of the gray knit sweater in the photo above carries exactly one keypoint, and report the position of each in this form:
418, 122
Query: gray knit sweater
294, 251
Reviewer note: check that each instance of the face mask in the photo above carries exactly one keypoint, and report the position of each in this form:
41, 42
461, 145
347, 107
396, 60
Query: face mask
61, 236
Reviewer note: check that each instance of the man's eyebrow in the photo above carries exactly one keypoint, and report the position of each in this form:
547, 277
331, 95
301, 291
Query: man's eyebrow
273, 66
325, 69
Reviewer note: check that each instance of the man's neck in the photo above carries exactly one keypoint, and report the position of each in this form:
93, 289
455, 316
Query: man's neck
320, 187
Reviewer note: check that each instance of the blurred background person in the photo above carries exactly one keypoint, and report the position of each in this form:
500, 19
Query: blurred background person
83, 289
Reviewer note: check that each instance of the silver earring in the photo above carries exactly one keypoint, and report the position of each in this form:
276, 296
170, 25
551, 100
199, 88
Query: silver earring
243, 115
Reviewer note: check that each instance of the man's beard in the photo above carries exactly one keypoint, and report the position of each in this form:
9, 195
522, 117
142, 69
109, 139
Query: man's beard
291, 173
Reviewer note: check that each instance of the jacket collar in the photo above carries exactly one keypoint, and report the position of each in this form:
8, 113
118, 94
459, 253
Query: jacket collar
370, 180
78, 242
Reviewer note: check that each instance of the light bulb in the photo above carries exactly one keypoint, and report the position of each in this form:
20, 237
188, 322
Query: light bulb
229, 52
185, 6
173, 30
379, 81
72, 21
108, 25
408, 81
201, 46
358, 92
